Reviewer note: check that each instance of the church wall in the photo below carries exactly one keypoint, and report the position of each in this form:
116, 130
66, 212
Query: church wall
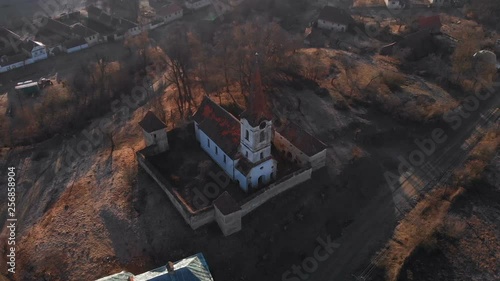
292, 153
318, 160
241, 179
288, 150
265, 170
274, 189
216, 154
230, 223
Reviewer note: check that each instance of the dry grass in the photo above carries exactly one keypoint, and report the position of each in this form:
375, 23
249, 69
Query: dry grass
417, 229
431, 214
381, 83
479, 158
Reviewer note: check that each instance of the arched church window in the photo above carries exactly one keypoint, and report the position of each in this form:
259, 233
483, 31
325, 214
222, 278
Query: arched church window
262, 136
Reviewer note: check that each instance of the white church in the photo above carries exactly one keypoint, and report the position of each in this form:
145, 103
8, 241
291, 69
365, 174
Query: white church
242, 148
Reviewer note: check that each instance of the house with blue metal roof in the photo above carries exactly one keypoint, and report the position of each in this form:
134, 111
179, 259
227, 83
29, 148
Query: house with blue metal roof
193, 268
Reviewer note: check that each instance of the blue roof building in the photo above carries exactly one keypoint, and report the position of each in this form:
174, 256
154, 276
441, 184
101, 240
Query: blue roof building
193, 268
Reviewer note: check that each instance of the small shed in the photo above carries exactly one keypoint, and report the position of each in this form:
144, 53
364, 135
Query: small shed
155, 132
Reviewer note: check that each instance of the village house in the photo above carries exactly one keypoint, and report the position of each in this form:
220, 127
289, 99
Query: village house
333, 18
122, 27
197, 4
90, 36
65, 38
169, 13
155, 133
57, 27
193, 268
74, 45
19, 52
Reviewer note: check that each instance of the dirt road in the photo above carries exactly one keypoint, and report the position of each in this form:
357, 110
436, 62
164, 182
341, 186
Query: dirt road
363, 238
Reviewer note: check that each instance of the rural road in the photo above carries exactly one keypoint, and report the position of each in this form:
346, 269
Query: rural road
375, 223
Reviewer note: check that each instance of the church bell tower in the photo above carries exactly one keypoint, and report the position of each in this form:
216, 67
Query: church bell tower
256, 124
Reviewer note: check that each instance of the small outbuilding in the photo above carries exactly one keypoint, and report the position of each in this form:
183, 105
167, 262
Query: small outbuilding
155, 132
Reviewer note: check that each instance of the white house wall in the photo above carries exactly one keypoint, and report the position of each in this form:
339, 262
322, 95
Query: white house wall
172, 17
77, 48
265, 170
92, 40
133, 31
39, 53
16, 65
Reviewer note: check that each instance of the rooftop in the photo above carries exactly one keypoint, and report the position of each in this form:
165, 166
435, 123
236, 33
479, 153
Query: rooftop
220, 126
81, 30
226, 204
168, 10
257, 110
57, 26
150, 123
334, 14
8, 60
71, 43
193, 268
301, 139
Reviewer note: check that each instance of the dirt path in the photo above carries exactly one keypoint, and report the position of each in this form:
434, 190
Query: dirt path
362, 238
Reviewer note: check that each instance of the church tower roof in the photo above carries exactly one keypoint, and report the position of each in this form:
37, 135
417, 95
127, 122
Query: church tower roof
257, 109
